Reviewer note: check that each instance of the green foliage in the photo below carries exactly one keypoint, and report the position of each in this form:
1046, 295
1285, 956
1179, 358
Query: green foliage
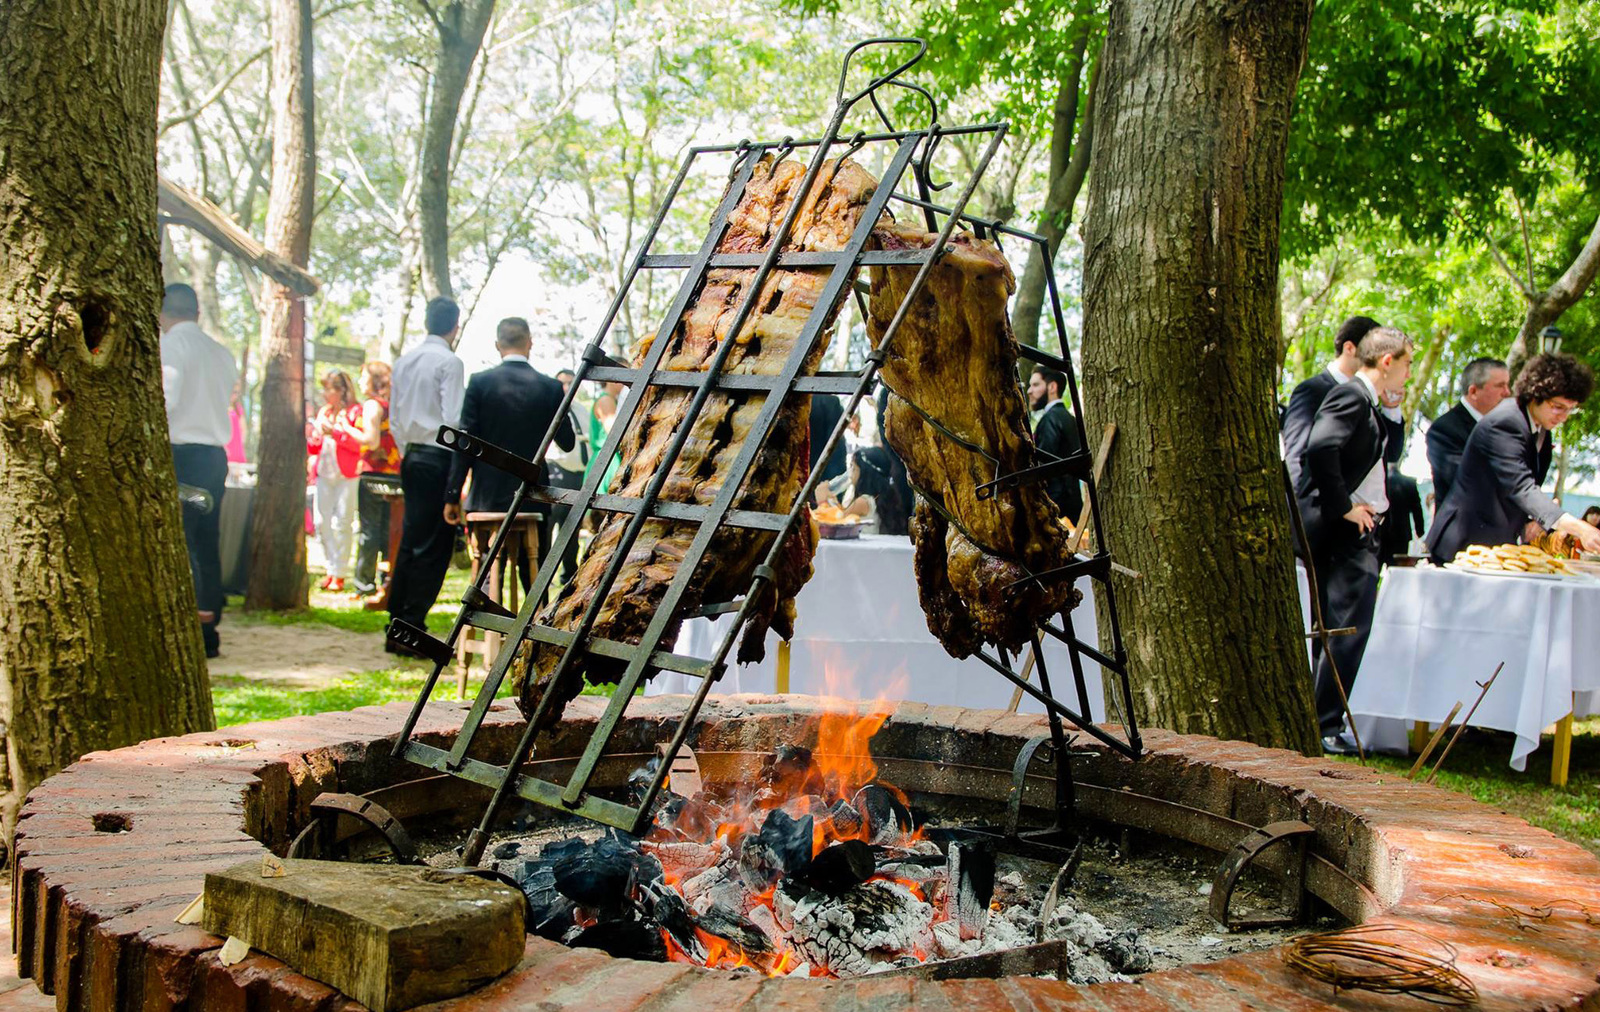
1414, 111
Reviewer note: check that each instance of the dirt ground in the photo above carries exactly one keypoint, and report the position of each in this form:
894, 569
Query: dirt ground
306, 656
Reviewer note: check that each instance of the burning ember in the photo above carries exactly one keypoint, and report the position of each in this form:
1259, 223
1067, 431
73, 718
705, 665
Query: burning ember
814, 869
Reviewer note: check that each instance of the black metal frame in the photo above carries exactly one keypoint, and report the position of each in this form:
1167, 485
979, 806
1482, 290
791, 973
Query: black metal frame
649, 654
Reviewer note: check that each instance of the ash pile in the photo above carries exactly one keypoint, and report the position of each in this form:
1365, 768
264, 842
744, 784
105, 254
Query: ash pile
814, 869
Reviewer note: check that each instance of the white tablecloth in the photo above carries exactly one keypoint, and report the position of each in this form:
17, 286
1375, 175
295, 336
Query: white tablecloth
1438, 631
861, 634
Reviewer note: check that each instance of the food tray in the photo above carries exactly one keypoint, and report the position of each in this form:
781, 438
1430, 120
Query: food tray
1504, 572
839, 532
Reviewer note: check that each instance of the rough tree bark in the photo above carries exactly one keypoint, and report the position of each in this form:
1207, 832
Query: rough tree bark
1069, 164
1546, 307
1180, 337
99, 646
277, 521
461, 25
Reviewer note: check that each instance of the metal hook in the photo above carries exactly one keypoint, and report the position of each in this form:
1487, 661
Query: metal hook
857, 142
880, 80
739, 154
785, 149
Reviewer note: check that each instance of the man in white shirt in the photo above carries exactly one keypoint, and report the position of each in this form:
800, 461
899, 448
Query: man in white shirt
198, 377
1343, 495
426, 390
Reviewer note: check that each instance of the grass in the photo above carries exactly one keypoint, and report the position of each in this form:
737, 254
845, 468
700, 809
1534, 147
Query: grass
242, 700
1479, 766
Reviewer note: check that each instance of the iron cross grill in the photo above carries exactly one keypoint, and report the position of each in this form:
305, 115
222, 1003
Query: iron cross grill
910, 156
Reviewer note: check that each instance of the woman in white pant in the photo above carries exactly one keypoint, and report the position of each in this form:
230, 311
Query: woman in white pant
338, 466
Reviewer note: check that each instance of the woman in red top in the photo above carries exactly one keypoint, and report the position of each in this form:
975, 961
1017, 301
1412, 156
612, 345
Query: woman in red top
380, 466
338, 456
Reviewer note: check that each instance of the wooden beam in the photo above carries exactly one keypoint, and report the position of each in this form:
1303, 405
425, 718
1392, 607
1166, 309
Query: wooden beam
184, 207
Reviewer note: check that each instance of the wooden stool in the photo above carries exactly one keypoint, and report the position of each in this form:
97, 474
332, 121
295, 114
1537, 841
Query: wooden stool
508, 592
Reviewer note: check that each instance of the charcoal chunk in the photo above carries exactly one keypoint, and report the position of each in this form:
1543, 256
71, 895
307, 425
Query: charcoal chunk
888, 819
1126, 952
781, 848
623, 940
734, 928
840, 867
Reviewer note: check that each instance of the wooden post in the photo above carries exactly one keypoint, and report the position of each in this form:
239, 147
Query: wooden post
1561, 758
782, 684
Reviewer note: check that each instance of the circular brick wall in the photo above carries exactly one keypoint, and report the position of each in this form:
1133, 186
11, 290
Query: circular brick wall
111, 850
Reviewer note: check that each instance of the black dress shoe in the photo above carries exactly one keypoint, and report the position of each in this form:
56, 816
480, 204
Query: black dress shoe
1339, 744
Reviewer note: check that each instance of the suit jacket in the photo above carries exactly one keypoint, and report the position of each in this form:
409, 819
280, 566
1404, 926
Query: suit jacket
1447, 439
1405, 518
1346, 441
1297, 418
826, 411
1496, 490
510, 406
1057, 434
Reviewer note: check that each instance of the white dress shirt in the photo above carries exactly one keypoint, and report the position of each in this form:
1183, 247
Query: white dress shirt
197, 377
1393, 414
1374, 488
426, 390
1477, 416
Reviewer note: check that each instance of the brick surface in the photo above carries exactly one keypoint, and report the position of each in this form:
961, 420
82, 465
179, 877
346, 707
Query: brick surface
94, 909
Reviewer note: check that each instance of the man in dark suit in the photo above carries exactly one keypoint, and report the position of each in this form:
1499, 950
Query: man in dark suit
1056, 433
826, 410
1484, 384
1405, 519
510, 406
1309, 393
1343, 493
1496, 492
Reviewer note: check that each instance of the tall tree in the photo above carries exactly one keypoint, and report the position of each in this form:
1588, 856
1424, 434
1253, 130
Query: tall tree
277, 528
100, 645
1180, 349
460, 24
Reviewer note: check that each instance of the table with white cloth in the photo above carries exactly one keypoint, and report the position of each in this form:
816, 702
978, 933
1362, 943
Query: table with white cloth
861, 633
1438, 632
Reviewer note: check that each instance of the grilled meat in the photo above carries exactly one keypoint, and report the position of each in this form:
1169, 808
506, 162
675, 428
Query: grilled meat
955, 358
764, 343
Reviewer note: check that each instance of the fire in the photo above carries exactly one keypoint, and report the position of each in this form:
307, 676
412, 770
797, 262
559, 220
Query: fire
833, 782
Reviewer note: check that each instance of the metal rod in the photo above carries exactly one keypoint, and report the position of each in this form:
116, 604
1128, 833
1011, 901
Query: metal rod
1084, 723
885, 135
1298, 524
1464, 722
1422, 757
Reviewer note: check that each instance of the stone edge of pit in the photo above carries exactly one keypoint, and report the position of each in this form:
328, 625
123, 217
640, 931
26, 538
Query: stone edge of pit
93, 908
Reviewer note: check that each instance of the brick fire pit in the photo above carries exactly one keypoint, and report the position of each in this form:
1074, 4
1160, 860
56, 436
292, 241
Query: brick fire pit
110, 851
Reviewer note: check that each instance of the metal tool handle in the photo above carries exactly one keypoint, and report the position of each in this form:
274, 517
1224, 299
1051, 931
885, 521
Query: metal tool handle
881, 79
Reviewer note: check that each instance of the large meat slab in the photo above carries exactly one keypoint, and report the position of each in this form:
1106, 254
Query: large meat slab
826, 220
955, 358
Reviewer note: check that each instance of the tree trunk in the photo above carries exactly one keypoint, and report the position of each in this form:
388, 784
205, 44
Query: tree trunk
461, 25
1546, 307
1069, 164
277, 521
100, 645
1180, 336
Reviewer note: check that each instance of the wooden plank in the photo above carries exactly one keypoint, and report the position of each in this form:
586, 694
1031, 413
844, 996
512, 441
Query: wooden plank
389, 936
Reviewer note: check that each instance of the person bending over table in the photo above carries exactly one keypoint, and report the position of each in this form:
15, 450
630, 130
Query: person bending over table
1496, 495
1343, 495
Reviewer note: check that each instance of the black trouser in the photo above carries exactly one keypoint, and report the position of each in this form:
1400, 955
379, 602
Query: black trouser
373, 509
560, 477
426, 541
1347, 579
204, 467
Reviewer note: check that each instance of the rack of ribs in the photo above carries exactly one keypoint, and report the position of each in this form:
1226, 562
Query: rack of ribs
954, 358
786, 300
